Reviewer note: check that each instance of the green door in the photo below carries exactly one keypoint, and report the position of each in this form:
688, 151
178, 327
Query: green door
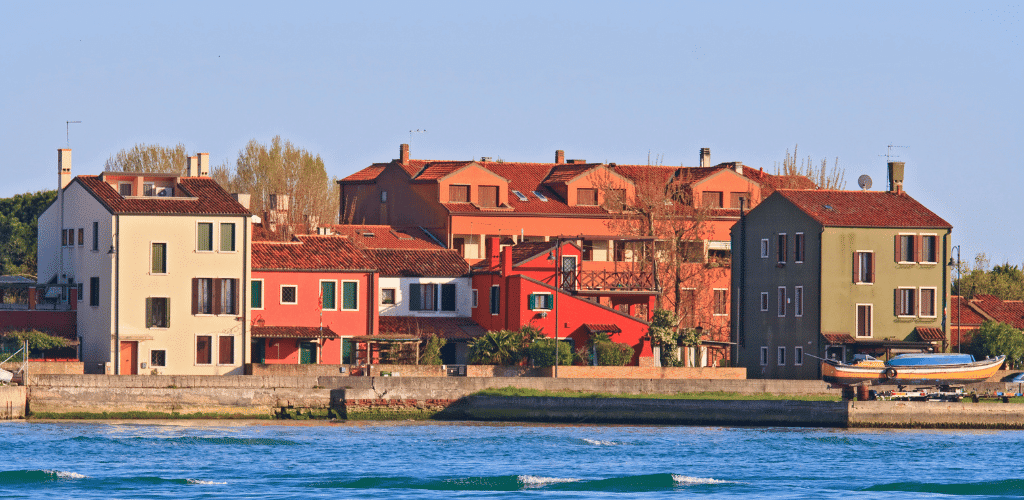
307, 353
259, 351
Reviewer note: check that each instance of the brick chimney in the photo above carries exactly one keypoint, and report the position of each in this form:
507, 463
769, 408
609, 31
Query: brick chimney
204, 164
63, 167
506, 261
705, 157
192, 166
559, 157
403, 154
493, 251
896, 177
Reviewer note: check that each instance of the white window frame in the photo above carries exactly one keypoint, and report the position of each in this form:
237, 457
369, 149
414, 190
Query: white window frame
921, 250
783, 300
234, 352
394, 297
920, 302
490, 300
213, 351
901, 290
213, 236
234, 242
764, 301
798, 301
280, 295
764, 355
871, 321
785, 251
765, 248
780, 356
337, 294
913, 238
726, 292
548, 294
341, 295
167, 265
870, 272
476, 298
153, 365
263, 294
799, 247
798, 356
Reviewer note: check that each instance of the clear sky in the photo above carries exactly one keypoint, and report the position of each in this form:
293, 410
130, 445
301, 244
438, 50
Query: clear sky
605, 81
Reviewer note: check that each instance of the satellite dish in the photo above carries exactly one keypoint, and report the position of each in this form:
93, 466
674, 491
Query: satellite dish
864, 182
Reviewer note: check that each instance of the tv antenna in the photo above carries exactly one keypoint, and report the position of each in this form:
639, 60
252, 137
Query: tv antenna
888, 153
417, 131
67, 131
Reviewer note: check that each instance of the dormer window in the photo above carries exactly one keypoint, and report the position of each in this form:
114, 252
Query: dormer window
148, 189
540, 196
586, 196
458, 193
124, 189
488, 196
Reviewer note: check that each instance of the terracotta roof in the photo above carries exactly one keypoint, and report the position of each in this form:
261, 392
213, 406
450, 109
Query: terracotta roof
930, 334
309, 253
838, 338
1003, 311
292, 332
602, 328
863, 208
529, 249
192, 195
375, 236
445, 328
773, 182
436, 170
968, 316
438, 262
562, 173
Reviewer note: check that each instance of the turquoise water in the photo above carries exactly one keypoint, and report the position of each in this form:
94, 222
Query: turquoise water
471, 460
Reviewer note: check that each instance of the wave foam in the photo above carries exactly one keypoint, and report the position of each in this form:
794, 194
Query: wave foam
60, 474
201, 481
537, 481
687, 480
597, 442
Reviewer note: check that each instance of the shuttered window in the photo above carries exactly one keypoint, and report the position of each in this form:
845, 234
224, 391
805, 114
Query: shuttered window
541, 301
905, 298
927, 308
864, 320
227, 350
711, 199
204, 237
458, 193
349, 292
423, 297
586, 196
227, 237
863, 267
256, 292
159, 258
328, 295
495, 299
721, 301
228, 296
929, 248
488, 196
158, 312
448, 297
204, 350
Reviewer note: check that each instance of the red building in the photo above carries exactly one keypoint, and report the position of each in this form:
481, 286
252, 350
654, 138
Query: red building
308, 296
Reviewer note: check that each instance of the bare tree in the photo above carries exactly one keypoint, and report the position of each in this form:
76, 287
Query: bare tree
149, 158
822, 176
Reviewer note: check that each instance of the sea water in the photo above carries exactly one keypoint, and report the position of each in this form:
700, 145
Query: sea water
217, 459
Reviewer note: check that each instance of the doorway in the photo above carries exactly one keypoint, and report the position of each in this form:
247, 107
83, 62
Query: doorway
129, 358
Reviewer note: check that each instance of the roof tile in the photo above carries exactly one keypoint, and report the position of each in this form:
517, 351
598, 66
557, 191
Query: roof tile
307, 253
193, 195
863, 208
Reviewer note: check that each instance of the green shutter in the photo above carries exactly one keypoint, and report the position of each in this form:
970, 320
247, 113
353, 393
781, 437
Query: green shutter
159, 258
227, 237
349, 290
149, 312
257, 294
414, 297
328, 295
167, 312
205, 237
533, 301
448, 297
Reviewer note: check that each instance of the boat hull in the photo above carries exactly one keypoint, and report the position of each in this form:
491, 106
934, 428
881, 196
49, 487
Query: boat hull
837, 373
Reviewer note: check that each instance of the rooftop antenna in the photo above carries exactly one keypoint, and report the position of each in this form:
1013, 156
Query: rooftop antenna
888, 153
417, 131
67, 131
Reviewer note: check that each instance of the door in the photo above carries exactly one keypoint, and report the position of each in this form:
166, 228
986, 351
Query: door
129, 358
569, 272
307, 353
259, 350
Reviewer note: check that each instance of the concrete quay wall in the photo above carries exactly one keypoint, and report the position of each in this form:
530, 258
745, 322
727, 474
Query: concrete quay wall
922, 414
12, 402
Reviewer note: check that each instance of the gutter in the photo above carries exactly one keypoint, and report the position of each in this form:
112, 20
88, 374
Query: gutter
117, 297
246, 289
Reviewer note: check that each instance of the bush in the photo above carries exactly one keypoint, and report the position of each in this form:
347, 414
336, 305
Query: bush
542, 352
431, 354
612, 353
993, 339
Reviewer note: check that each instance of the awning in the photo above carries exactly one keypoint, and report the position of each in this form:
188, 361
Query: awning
422, 328
838, 338
930, 334
292, 332
593, 328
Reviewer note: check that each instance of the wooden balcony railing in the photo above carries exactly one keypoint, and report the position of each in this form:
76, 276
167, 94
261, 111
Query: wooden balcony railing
624, 281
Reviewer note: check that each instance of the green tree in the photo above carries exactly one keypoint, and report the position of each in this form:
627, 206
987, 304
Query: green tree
19, 231
1004, 281
431, 354
608, 352
542, 352
501, 347
149, 158
994, 339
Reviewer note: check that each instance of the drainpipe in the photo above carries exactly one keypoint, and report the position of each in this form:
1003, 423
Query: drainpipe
117, 296
821, 283
246, 288
742, 285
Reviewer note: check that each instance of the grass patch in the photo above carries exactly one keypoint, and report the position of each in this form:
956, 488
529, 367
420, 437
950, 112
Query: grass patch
714, 396
389, 414
143, 415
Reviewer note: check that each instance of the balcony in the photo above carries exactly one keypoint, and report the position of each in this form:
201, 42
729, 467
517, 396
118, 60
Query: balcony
616, 281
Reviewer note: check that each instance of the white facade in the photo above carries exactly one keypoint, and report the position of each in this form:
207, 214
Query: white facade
401, 306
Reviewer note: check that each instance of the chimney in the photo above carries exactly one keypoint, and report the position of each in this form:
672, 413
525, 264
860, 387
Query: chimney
493, 249
242, 199
506, 261
559, 157
738, 167
705, 157
403, 154
192, 166
63, 167
279, 202
896, 177
204, 164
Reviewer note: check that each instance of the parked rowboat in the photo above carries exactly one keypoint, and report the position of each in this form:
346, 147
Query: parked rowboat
909, 369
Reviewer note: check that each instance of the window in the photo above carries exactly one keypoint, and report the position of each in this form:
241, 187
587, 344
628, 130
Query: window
94, 291
541, 301
158, 312
798, 356
798, 247
202, 296
158, 358
458, 194
204, 237
448, 297
782, 301
256, 294
692, 251
782, 248
764, 301
586, 196
124, 189
929, 248
158, 258
764, 248
865, 316
289, 294
227, 350
782, 356
81, 236
927, 308
148, 189
488, 196
228, 297
81, 290
688, 314
906, 302
387, 296
349, 295
615, 199
711, 199
721, 302
204, 350
764, 355
95, 236
495, 299
422, 297
328, 295
798, 301
476, 298
905, 248
734, 200
216, 296
863, 267
227, 237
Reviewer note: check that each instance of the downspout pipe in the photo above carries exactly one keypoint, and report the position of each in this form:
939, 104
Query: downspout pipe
117, 295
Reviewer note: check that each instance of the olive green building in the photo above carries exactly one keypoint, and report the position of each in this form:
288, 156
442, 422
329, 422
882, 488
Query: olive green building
822, 273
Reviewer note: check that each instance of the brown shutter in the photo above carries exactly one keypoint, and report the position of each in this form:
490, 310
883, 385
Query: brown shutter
896, 250
237, 296
167, 312
195, 296
871, 267
896, 303
215, 295
856, 266
149, 312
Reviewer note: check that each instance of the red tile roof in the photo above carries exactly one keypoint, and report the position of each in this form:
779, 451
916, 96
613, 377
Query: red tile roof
445, 328
309, 253
367, 174
838, 338
377, 236
602, 328
438, 262
773, 182
969, 318
1003, 311
863, 209
192, 195
930, 334
292, 332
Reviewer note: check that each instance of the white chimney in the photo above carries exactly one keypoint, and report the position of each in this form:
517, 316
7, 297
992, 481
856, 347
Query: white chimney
705, 157
204, 164
242, 199
192, 166
63, 167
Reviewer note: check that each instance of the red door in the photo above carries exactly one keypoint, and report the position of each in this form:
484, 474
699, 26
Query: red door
129, 358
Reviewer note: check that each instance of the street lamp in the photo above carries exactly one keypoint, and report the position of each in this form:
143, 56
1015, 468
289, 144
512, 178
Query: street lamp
558, 272
959, 292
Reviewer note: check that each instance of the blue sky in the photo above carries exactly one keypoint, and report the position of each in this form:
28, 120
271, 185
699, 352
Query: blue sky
605, 81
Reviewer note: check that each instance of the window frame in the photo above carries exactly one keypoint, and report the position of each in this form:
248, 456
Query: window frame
764, 355
798, 301
934, 247
220, 350
95, 236
153, 358
858, 268
280, 295
151, 313
94, 291
212, 237
531, 301
799, 249
920, 302
220, 239
906, 295
712, 199
588, 191
120, 189
480, 195
912, 238
765, 248
495, 300
152, 245
388, 302
334, 299
445, 303
870, 319
724, 302
476, 298
468, 190
418, 292
210, 284
783, 304
780, 356
765, 302
798, 356
209, 361
81, 236
782, 242
253, 295
355, 295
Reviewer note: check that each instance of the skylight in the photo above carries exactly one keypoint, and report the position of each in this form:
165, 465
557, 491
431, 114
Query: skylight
521, 196
540, 196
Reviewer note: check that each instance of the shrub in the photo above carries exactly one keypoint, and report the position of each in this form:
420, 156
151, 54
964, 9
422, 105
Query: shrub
542, 352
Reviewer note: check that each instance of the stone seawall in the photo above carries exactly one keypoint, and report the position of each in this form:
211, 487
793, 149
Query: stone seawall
12, 402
